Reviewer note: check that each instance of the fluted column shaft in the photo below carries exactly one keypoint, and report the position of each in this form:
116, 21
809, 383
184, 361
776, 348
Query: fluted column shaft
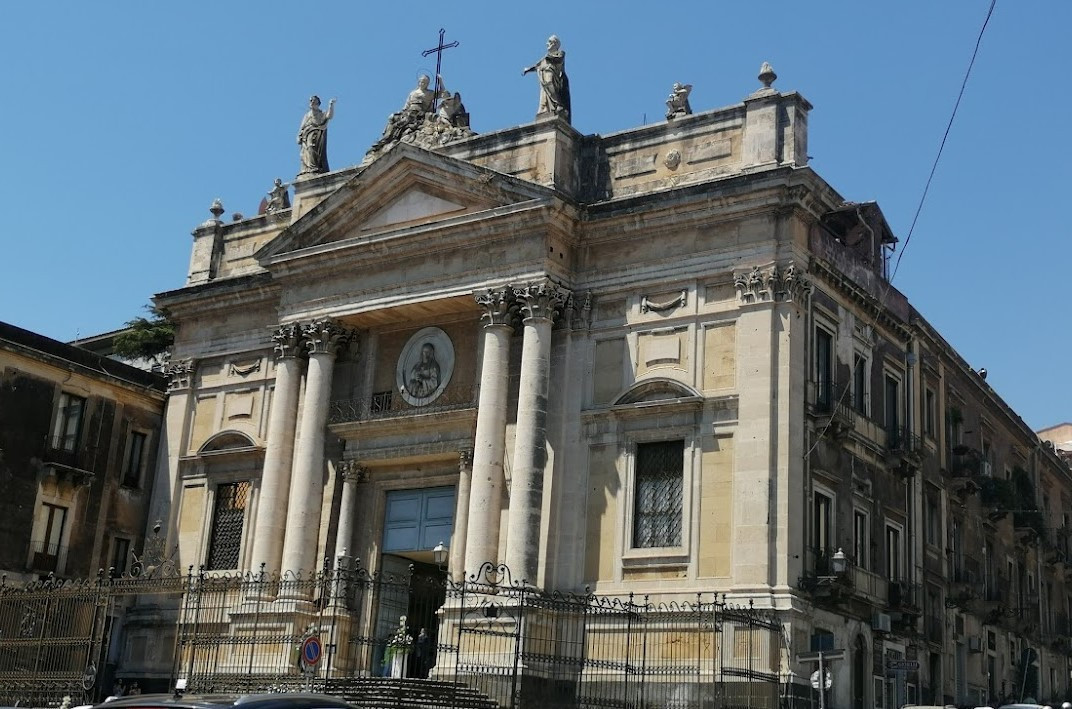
489, 445
275, 478
307, 487
461, 517
538, 303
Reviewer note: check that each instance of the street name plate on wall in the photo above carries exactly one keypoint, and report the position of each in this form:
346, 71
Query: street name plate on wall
425, 366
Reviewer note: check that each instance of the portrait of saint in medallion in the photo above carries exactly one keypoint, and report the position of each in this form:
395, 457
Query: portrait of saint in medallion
425, 366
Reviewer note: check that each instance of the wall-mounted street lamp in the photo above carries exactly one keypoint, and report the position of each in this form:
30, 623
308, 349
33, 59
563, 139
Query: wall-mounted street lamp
440, 552
838, 562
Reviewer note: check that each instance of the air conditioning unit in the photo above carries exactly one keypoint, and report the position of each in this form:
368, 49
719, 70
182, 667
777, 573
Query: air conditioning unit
975, 643
881, 622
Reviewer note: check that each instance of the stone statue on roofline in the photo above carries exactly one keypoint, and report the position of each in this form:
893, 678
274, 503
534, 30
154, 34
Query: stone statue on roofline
678, 102
313, 137
554, 84
276, 200
421, 123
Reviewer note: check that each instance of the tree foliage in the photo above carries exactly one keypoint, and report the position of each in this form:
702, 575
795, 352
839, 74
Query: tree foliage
146, 337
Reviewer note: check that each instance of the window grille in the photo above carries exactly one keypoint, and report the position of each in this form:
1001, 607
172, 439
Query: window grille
227, 520
658, 494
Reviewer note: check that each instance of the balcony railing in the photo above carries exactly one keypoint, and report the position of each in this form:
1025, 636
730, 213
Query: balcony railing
964, 569
904, 595
903, 440
391, 404
45, 556
822, 571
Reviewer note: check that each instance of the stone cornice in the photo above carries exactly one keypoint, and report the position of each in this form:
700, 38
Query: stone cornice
858, 295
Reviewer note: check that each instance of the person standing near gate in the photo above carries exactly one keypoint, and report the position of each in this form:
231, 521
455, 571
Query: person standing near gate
423, 652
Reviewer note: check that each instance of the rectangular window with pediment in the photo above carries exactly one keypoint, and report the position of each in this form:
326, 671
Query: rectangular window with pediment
228, 520
658, 494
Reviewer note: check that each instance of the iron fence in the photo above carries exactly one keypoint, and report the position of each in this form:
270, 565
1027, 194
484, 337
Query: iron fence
402, 639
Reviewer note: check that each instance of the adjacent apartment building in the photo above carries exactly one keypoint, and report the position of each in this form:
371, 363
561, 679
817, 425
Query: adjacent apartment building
78, 439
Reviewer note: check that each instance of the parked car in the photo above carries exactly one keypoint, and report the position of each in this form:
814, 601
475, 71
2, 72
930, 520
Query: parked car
226, 701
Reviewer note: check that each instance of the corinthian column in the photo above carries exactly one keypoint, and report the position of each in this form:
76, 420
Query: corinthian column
538, 302
489, 445
461, 517
322, 339
275, 479
352, 473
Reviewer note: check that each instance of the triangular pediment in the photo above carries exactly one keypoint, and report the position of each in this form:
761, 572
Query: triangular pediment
415, 204
404, 189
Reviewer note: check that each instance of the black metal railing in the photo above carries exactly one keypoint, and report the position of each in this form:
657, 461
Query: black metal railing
397, 640
903, 440
392, 404
964, 569
45, 556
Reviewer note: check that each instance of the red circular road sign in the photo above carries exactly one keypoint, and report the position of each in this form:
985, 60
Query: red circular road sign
311, 649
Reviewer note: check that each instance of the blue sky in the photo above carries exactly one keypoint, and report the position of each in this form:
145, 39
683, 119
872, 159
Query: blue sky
123, 120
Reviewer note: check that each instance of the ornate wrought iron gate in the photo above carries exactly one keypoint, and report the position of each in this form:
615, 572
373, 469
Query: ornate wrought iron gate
485, 642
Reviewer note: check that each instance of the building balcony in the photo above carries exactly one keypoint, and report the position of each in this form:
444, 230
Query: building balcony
903, 598
904, 451
834, 575
833, 413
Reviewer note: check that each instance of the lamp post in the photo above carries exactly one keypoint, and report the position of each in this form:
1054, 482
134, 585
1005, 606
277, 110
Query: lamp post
839, 563
440, 552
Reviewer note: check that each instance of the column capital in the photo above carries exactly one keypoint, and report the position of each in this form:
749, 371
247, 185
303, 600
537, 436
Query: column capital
541, 299
287, 339
465, 459
352, 471
498, 306
325, 336
180, 374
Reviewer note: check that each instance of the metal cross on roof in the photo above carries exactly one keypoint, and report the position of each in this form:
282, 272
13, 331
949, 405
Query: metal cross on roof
438, 51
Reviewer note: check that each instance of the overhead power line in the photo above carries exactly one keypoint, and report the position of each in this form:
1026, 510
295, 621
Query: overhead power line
945, 136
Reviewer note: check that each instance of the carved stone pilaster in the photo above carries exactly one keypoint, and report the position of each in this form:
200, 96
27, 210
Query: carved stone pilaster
288, 340
795, 284
772, 284
499, 307
352, 471
324, 337
543, 299
180, 374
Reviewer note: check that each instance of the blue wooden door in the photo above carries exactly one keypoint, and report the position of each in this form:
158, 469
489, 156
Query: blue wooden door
417, 520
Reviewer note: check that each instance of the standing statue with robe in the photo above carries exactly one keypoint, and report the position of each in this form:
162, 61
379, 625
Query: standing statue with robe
554, 84
313, 137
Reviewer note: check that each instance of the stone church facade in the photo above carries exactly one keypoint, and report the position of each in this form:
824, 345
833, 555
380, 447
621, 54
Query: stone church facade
664, 362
